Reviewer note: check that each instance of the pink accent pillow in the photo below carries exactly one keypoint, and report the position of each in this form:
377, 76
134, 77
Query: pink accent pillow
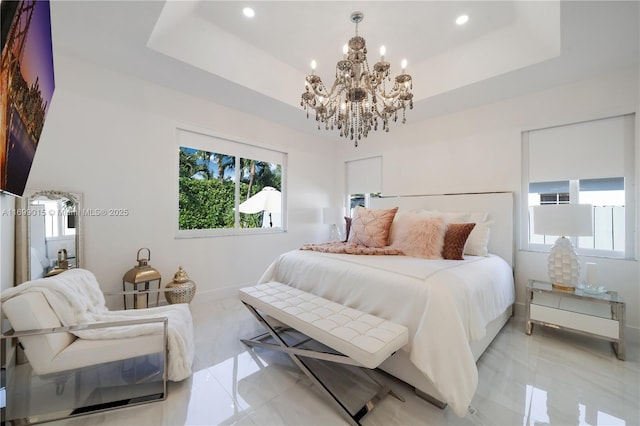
420, 236
371, 227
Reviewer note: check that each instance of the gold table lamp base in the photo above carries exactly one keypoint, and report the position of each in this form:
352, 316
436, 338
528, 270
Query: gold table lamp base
563, 288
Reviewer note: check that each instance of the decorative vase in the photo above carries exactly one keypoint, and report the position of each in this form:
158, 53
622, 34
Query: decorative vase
181, 288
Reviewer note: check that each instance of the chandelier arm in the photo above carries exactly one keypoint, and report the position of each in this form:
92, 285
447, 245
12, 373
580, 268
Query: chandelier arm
319, 91
323, 91
388, 104
336, 84
392, 95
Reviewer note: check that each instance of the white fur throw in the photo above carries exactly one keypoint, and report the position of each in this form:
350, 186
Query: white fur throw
76, 298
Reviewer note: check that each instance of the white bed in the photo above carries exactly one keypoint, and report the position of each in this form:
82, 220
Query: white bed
453, 308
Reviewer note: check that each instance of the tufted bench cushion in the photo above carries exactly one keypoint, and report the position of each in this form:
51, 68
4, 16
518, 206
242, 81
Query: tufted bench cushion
364, 338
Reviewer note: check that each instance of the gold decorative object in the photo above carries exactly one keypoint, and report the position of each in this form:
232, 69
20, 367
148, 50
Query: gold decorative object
142, 277
182, 288
359, 98
63, 264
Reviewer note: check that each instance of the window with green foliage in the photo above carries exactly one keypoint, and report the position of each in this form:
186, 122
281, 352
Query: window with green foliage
226, 187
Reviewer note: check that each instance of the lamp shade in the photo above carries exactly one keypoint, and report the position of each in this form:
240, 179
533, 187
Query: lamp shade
563, 220
574, 220
332, 215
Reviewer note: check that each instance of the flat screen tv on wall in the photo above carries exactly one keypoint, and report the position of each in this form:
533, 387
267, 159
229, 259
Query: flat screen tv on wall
27, 84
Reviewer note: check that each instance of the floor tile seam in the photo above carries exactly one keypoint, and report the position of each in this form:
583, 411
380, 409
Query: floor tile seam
288, 384
223, 387
529, 401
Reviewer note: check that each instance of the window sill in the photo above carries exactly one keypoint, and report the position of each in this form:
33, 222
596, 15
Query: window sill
212, 233
583, 253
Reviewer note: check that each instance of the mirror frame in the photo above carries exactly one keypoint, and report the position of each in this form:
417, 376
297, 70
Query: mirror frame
23, 231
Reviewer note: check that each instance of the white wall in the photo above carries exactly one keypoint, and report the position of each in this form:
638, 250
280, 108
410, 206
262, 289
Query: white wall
480, 150
7, 229
113, 138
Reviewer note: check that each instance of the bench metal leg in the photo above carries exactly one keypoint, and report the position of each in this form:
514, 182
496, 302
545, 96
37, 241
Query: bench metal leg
295, 353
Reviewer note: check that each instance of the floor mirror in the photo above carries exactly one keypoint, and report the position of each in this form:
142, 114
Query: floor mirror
48, 234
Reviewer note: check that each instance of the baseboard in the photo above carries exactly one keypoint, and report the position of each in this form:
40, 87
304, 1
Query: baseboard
633, 335
219, 293
519, 310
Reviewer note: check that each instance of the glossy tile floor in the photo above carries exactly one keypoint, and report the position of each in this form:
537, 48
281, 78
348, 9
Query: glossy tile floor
550, 377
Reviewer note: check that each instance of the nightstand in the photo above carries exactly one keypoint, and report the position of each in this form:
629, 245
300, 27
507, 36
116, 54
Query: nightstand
596, 315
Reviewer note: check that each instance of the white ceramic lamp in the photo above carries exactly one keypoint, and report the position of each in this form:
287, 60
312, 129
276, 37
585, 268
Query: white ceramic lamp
563, 220
333, 216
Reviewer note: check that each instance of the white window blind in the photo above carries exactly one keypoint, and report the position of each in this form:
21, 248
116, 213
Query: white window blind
593, 149
220, 145
364, 176
591, 162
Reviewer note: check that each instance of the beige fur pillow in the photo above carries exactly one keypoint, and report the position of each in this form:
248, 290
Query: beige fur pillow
371, 227
418, 235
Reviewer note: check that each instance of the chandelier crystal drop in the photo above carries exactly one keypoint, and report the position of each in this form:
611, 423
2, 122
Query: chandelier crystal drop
359, 99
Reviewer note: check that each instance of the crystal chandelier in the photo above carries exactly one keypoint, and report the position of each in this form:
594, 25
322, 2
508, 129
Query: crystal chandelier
358, 98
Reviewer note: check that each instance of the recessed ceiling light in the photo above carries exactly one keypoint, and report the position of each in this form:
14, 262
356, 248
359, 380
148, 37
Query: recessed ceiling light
462, 19
248, 12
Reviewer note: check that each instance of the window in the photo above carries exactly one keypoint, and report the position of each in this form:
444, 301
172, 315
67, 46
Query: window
586, 163
59, 220
363, 200
227, 187
364, 180
607, 198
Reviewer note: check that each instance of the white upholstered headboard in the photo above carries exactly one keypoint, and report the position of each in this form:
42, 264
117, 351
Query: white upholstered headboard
499, 205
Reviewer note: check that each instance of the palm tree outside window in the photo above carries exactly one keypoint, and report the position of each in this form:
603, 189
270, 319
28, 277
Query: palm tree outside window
213, 183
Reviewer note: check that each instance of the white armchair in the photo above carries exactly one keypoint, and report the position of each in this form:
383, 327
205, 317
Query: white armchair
113, 358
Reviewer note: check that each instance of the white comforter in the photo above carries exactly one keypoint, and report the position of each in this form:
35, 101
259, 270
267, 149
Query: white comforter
444, 303
76, 298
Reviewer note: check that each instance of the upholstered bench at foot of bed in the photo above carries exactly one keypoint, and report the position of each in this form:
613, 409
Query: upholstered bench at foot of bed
361, 339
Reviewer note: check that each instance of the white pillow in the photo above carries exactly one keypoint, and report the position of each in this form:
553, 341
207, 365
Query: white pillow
459, 217
478, 217
449, 217
455, 217
478, 241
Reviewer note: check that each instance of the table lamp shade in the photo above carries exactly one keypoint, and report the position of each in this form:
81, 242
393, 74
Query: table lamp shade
332, 215
563, 220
